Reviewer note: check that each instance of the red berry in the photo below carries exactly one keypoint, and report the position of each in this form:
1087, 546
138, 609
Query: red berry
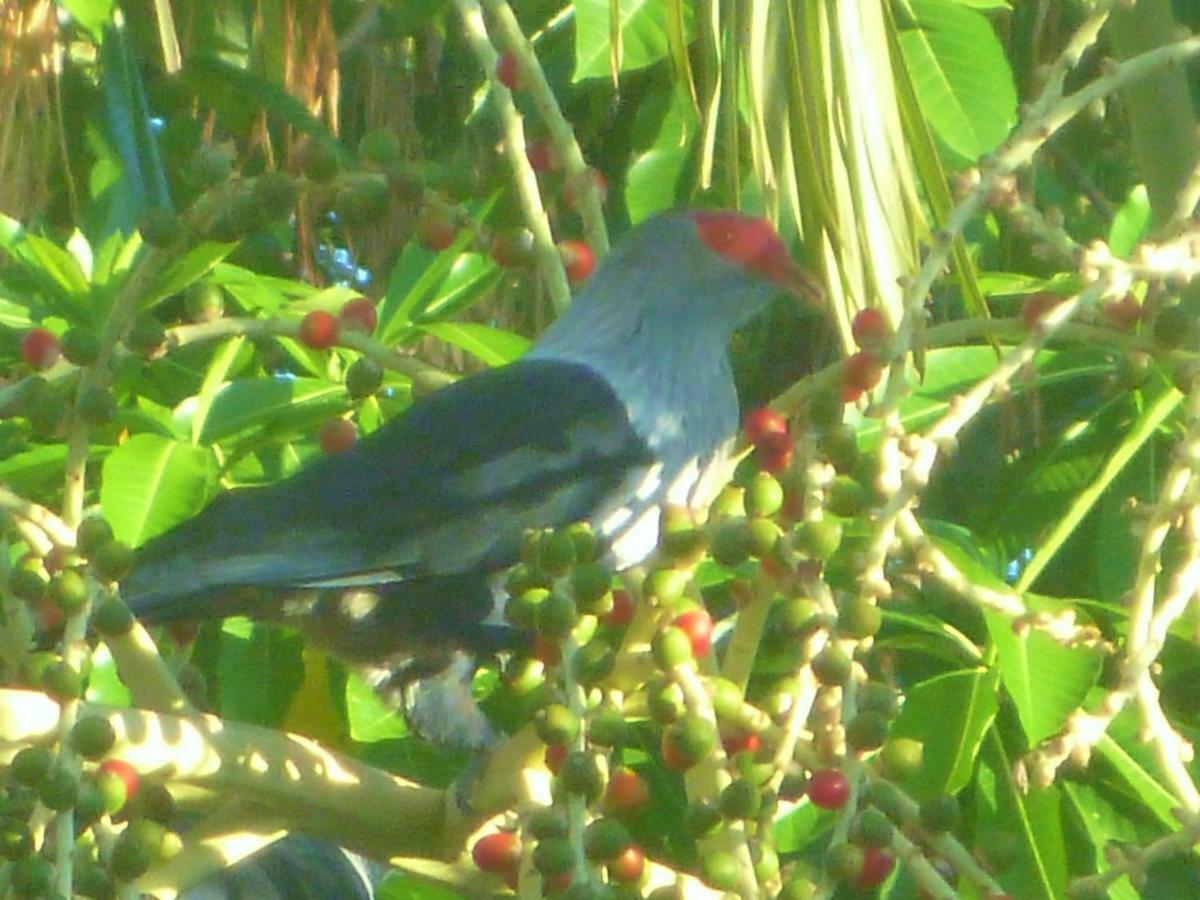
435, 231
546, 650
512, 249
1123, 313
124, 771
860, 372
575, 186
621, 613
541, 155
50, 616
359, 315
627, 867
39, 349
556, 884
1035, 306
697, 624
869, 328
508, 71
337, 436
498, 852
876, 867
556, 754
762, 422
319, 330
578, 259
829, 789
626, 793
774, 452
183, 633
742, 742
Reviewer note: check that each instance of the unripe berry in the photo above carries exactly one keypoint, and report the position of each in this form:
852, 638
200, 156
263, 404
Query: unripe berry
93, 533
58, 789
901, 758
732, 542
859, 618
113, 618
379, 147
818, 538
604, 839
112, 561
30, 764
363, 378
146, 336
665, 586
832, 666
671, 648
204, 301
80, 346
720, 870
556, 724
939, 814
553, 857
92, 737
687, 742
866, 731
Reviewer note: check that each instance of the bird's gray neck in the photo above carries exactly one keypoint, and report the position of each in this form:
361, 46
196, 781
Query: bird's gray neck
674, 379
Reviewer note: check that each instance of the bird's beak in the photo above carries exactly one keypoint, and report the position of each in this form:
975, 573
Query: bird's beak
794, 278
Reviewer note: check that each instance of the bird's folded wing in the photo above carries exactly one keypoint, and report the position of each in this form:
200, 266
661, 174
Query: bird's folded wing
447, 488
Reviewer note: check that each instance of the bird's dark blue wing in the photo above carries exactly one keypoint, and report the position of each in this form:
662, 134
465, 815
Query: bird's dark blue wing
444, 490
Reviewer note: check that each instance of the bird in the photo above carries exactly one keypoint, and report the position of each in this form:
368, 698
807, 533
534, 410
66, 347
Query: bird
388, 555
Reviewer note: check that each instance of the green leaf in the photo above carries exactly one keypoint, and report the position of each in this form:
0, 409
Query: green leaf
494, 346
189, 268
1046, 681
260, 669
651, 180
214, 379
370, 719
1102, 824
267, 403
962, 78
104, 683
1131, 222
151, 482
61, 266
92, 15
398, 885
949, 714
643, 30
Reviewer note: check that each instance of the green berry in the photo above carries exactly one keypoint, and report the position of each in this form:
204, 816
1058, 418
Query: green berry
604, 839
732, 543
740, 800
31, 876
130, 857
847, 497
873, 828
844, 861
546, 823
607, 727
797, 616
113, 561
553, 857
556, 551
818, 538
700, 818
113, 618
694, 736
859, 617
204, 301
867, 730
363, 200
69, 590
665, 586
319, 159
939, 814
379, 147
764, 495
58, 789
840, 445
556, 724
92, 737
591, 585
16, 840
556, 616
901, 758
720, 870
727, 699
766, 862
832, 666
764, 535
93, 533
275, 193
80, 346
30, 764
594, 661
580, 774
96, 406
28, 584
666, 702
62, 681
363, 378
89, 805
146, 336
160, 227
878, 696
671, 647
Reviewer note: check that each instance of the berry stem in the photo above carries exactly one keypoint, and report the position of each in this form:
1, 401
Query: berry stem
524, 178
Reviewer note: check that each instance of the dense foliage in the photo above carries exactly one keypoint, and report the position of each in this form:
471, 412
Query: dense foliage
936, 638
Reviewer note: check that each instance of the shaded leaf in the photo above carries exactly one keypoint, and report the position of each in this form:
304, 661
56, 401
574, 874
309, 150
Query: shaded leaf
151, 482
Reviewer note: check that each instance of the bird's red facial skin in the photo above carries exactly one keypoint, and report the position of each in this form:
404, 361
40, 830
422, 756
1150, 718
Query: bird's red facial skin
754, 244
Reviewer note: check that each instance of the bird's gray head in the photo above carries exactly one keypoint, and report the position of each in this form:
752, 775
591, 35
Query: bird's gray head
698, 274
